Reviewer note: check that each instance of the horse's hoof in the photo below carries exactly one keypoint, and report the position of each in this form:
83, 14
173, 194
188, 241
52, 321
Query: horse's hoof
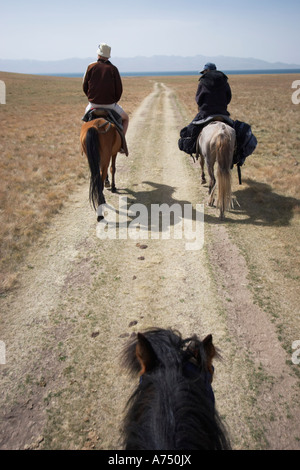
107, 184
113, 189
100, 217
203, 181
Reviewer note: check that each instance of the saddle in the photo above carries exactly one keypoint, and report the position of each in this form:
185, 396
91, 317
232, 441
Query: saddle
214, 117
111, 116
204, 122
189, 134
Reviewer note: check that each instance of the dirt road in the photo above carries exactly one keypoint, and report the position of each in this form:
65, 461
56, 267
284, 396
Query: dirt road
82, 296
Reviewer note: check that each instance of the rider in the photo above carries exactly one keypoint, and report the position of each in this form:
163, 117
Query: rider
103, 86
212, 97
213, 93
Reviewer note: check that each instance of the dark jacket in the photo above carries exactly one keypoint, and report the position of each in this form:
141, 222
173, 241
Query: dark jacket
102, 83
213, 94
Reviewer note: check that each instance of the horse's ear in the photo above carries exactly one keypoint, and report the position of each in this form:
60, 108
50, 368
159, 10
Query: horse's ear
209, 348
145, 354
210, 352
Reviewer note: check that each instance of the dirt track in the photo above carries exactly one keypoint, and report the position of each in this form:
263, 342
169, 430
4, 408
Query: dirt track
81, 297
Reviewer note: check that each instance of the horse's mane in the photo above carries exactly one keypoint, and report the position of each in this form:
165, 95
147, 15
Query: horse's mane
169, 409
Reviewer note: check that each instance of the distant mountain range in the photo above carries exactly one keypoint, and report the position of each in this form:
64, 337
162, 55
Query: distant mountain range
158, 63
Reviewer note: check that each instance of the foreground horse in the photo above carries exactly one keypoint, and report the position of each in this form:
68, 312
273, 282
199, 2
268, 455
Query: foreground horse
173, 407
216, 144
101, 142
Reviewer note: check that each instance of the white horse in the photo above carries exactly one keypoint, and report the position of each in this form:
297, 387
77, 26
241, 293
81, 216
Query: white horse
216, 143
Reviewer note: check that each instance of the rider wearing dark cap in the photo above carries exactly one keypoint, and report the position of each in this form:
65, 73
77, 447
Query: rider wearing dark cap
213, 93
212, 97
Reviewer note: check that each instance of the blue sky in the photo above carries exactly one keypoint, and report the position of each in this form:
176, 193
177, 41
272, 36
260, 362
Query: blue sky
53, 30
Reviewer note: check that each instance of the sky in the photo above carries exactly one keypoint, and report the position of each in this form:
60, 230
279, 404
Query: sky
62, 29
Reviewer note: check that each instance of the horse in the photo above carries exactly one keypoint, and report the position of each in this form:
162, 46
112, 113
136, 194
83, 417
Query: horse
173, 406
100, 141
216, 144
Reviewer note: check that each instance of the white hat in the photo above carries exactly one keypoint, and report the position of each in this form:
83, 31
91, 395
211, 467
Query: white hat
104, 50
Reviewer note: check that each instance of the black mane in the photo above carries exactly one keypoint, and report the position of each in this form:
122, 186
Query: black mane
171, 407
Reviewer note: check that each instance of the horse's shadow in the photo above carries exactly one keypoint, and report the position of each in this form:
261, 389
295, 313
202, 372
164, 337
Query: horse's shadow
259, 205
159, 195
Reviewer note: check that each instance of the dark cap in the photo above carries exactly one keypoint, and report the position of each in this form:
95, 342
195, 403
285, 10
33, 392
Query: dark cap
209, 66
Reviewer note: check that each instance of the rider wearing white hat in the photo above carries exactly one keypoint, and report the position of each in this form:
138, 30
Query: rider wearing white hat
104, 50
102, 84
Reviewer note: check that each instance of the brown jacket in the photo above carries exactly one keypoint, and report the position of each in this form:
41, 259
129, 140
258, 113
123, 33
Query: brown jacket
102, 83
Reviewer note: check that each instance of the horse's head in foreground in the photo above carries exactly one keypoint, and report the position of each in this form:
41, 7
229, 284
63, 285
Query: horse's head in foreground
173, 406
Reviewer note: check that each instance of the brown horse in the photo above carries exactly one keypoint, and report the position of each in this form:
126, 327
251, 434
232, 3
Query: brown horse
216, 144
100, 141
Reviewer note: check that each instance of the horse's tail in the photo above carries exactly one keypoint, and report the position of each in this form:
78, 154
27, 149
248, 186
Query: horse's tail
93, 155
223, 149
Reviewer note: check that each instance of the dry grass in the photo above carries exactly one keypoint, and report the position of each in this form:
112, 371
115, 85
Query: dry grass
41, 165
40, 161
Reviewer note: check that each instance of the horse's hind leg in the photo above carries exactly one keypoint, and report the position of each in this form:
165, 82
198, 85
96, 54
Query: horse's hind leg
212, 186
203, 179
101, 197
113, 172
104, 173
101, 201
107, 182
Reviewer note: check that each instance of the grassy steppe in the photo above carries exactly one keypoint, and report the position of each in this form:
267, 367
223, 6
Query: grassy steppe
41, 163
